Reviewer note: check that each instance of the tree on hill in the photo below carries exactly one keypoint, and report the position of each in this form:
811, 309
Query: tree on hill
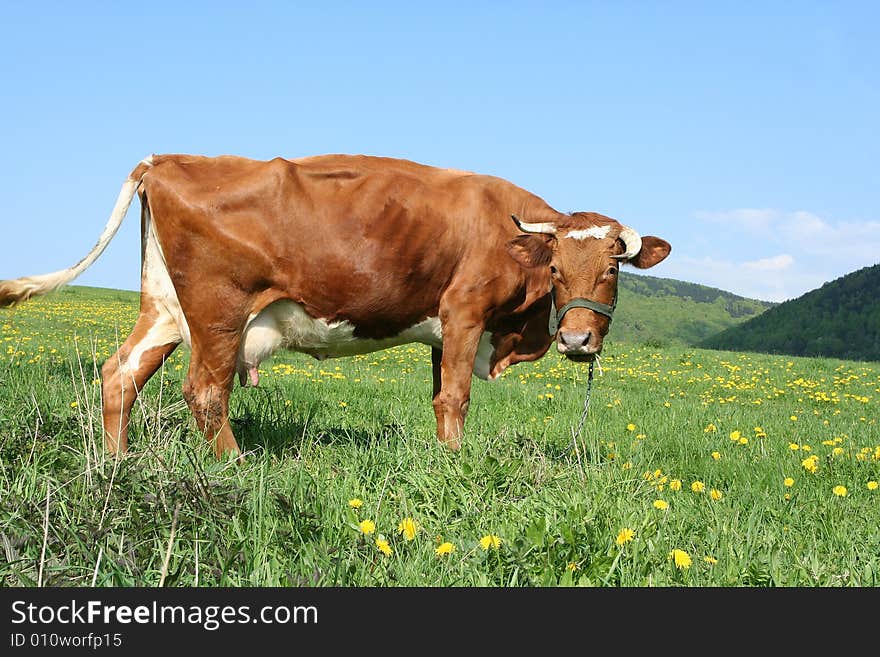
840, 319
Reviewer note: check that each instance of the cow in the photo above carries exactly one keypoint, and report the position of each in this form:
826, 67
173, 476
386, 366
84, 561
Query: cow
336, 255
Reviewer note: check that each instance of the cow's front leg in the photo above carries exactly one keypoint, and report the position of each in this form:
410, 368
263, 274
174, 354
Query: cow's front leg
452, 388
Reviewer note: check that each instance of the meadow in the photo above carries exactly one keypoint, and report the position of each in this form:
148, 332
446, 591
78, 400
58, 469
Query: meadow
693, 468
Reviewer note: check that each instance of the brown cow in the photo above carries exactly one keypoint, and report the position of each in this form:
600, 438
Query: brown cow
338, 255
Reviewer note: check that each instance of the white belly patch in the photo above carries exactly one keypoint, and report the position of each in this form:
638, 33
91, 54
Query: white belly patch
286, 325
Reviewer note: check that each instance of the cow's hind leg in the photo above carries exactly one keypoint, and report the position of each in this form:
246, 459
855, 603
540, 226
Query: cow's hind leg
124, 374
207, 388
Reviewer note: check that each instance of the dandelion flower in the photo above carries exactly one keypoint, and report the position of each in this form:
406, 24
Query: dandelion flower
383, 546
625, 536
794, 447
698, 486
735, 435
840, 491
408, 528
681, 559
444, 549
367, 527
793, 418
710, 428
788, 482
872, 485
716, 494
716, 455
661, 505
675, 484
355, 503
572, 566
710, 560
490, 541
630, 427
811, 464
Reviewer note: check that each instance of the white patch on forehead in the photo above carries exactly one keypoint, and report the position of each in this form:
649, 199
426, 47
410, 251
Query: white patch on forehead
598, 232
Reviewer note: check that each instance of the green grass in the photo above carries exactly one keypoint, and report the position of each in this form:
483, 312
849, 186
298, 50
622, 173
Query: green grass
318, 434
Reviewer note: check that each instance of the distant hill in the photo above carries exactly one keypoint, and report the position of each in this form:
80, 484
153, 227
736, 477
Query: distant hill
667, 311
840, 319
654, 310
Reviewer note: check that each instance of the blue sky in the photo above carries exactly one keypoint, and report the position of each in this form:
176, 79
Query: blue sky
744, 133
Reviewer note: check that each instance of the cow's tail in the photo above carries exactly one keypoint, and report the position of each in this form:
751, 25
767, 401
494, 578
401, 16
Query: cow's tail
22, 289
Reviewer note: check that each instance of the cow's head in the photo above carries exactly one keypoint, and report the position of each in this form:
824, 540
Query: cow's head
583, 252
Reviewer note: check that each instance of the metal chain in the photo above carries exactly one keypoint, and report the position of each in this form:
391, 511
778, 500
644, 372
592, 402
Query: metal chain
586, 403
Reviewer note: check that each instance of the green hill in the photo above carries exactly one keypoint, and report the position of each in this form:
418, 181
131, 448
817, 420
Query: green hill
655, 310
667, 311
841, 319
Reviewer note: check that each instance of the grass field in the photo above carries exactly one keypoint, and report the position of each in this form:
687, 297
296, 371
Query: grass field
694, 468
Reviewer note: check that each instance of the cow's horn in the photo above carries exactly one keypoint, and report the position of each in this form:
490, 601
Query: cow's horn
632, 241
546, 228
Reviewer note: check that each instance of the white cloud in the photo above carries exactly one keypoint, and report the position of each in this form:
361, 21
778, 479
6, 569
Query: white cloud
776, 263
770, 279
775, 255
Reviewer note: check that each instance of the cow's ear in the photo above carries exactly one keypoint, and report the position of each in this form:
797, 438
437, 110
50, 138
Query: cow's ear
653, 250
531, 250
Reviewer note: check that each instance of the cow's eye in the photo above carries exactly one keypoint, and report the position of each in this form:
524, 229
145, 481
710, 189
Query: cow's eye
612, 271
553, 270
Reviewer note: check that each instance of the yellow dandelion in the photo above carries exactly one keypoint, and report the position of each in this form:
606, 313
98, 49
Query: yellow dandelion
661, 505
710, 428
675, 484
408, 528
840, 491
811, 464
872, 485
367, 527
698, 486
73, 404
681, 559
735, 435
630, 427
355, 503
444, 549
716, 494
572, 566
490, 541
793, 418
743, 441
383, 546
794, 447
625, 536
710, 560
788, 482
716, 455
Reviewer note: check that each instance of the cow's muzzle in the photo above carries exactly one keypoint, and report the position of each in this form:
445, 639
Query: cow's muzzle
578, 346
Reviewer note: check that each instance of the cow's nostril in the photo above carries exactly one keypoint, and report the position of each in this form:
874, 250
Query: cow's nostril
586, 339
